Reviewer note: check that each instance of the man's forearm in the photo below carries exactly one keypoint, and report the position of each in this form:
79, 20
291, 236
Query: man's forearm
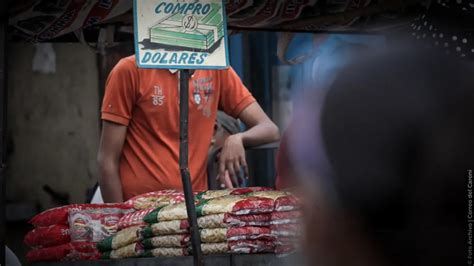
260, 134
110, 184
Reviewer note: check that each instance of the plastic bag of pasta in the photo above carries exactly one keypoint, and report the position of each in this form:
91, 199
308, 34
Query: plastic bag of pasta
133, 219
217, 235
289, 217
65, 252
121, 239
131, 251
211, 194
232, 220
214, 248
238, 205
287, 230
59, 215
49, 236
156, 199
166, 252
284, 201
94, 225
167, 213
251, 246
167, 241
166, 228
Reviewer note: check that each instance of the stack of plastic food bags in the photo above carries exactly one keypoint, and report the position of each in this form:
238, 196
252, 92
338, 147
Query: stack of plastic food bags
168, 230
285, 220
234, 221
241, 220
70, 232
131, 242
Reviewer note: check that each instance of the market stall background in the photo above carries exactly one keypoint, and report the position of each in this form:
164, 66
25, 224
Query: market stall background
53, 107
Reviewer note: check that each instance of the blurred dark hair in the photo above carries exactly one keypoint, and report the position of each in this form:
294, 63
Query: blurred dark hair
398, 130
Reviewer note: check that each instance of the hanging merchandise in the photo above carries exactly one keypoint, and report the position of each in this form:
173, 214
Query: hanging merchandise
234, 6
46, 19
264, 16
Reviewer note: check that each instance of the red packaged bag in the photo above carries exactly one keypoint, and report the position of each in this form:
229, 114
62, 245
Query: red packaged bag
287, 230
59, 215
288, 217
65, 252
249, 232
133, 219
156, 199
53, 235
216, 235
251, 246
94, 225
284, 201
232, 220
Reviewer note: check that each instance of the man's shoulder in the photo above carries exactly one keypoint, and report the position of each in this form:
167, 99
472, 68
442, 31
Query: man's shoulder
128, 61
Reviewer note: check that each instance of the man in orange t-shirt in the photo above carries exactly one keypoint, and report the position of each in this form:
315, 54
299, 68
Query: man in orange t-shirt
139, 147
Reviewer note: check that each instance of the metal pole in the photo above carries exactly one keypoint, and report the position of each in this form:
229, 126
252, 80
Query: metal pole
183, 166
3, 134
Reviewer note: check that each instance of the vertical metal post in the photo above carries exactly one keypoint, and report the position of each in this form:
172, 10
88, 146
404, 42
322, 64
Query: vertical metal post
3, 133
183, 166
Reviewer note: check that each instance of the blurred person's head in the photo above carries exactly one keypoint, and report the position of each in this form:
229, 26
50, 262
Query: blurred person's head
385, 158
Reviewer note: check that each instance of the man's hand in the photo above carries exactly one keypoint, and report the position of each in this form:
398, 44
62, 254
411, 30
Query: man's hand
231, 161
261, 130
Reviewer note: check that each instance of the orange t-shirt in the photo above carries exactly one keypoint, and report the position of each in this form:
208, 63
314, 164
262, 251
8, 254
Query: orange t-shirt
147, 102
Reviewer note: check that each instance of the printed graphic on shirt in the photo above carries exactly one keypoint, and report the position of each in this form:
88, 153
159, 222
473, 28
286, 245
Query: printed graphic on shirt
157, 97
203, 95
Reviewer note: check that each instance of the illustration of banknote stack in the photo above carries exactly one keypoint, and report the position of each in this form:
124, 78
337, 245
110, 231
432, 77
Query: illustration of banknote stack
203, 35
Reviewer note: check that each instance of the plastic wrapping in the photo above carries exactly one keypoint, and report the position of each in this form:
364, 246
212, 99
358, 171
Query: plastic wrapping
49, 236
283, 201
134, 219
212, 194
246, 246
165, 228
231, 220
156, 199
65, 252
94, 225
289, 217
131, 251
166, 252
121, 239
217, 235
234, 204
167, 241
59, 215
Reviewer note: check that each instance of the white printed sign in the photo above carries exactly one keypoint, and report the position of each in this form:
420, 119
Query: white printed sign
181, 34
